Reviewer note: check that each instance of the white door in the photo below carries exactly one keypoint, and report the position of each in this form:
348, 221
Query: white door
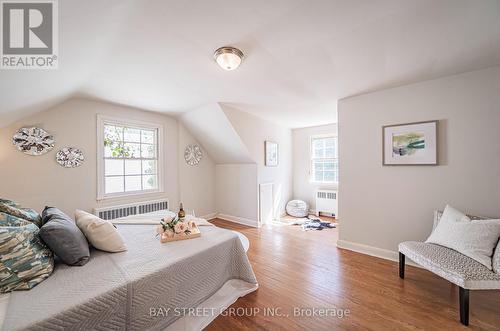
266, 203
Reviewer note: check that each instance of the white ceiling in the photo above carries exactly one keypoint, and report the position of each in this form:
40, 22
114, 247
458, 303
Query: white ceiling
301, 55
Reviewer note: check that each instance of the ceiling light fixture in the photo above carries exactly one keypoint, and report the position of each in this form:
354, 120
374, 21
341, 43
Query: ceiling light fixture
228, 58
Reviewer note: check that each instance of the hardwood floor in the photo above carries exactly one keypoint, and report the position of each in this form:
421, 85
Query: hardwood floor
297, 269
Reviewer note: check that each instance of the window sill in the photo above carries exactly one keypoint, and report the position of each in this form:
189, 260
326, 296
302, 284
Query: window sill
323, 183
118, 196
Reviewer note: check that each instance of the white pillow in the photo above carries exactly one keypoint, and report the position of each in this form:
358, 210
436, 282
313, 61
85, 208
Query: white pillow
476, 239
100, 233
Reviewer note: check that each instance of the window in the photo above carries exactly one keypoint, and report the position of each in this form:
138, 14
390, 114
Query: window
129, 158
324, 159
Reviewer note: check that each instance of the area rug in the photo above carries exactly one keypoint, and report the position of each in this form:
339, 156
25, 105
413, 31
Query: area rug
313, 224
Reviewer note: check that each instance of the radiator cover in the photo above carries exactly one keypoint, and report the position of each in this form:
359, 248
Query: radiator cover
327, 202
112, 212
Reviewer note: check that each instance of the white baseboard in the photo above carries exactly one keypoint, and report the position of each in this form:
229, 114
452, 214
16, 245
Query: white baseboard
239, 220
373, 251
209, 217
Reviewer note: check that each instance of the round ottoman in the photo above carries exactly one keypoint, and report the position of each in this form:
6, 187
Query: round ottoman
297, 208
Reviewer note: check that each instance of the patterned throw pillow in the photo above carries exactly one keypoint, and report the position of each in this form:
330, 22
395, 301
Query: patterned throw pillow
24, 213
8, 202
25, 261
9, 220
33, 215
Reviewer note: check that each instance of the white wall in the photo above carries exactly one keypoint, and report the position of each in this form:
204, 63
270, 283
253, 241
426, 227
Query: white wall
37, 181
236, 192
303, 188
210, 125
382, 206
197, 183
254, 131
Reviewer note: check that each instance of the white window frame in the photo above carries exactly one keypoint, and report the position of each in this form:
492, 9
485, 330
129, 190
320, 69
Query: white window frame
311, 157
103, 120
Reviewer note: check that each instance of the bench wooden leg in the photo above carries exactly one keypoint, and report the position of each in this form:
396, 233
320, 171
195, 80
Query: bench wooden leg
464, 306
401, 265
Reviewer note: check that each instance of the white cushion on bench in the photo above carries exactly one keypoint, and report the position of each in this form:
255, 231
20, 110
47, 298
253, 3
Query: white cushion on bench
496, 255
451, 265
476, 238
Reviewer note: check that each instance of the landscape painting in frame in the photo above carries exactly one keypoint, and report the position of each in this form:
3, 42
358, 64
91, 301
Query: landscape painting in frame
271, 151
410, 143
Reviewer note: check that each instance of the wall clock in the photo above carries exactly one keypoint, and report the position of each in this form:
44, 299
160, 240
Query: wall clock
70, 157
33, 141
192, 154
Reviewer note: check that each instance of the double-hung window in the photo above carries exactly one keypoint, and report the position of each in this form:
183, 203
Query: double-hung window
324, 159
129, 158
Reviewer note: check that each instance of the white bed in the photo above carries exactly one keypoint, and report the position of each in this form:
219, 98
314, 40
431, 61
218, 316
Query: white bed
128, 290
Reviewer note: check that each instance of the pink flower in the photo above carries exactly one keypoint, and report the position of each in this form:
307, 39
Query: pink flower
180, 227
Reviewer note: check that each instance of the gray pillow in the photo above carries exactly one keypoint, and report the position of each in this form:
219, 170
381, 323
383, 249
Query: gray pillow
63, 237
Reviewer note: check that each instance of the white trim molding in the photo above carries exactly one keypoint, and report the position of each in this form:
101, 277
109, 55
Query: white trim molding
209, 217
372, 251
239, 220
104, 119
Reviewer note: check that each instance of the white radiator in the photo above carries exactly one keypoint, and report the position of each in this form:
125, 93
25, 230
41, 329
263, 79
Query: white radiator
326, 202
112, 212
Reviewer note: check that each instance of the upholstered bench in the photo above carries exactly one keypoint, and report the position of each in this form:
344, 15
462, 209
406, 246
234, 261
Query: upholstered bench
451, 265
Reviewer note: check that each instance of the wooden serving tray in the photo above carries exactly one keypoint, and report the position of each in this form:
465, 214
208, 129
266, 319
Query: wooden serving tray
194, 234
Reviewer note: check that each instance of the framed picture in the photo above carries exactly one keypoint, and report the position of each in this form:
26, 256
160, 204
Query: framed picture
271, 152
410, 144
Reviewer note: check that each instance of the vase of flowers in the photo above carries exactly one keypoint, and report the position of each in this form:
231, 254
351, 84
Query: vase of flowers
173, 228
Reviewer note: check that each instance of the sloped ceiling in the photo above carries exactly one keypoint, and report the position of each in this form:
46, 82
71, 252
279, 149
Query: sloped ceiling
301, 55
211, 127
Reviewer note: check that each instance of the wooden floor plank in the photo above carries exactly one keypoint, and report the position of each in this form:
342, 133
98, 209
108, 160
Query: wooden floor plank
305, 269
